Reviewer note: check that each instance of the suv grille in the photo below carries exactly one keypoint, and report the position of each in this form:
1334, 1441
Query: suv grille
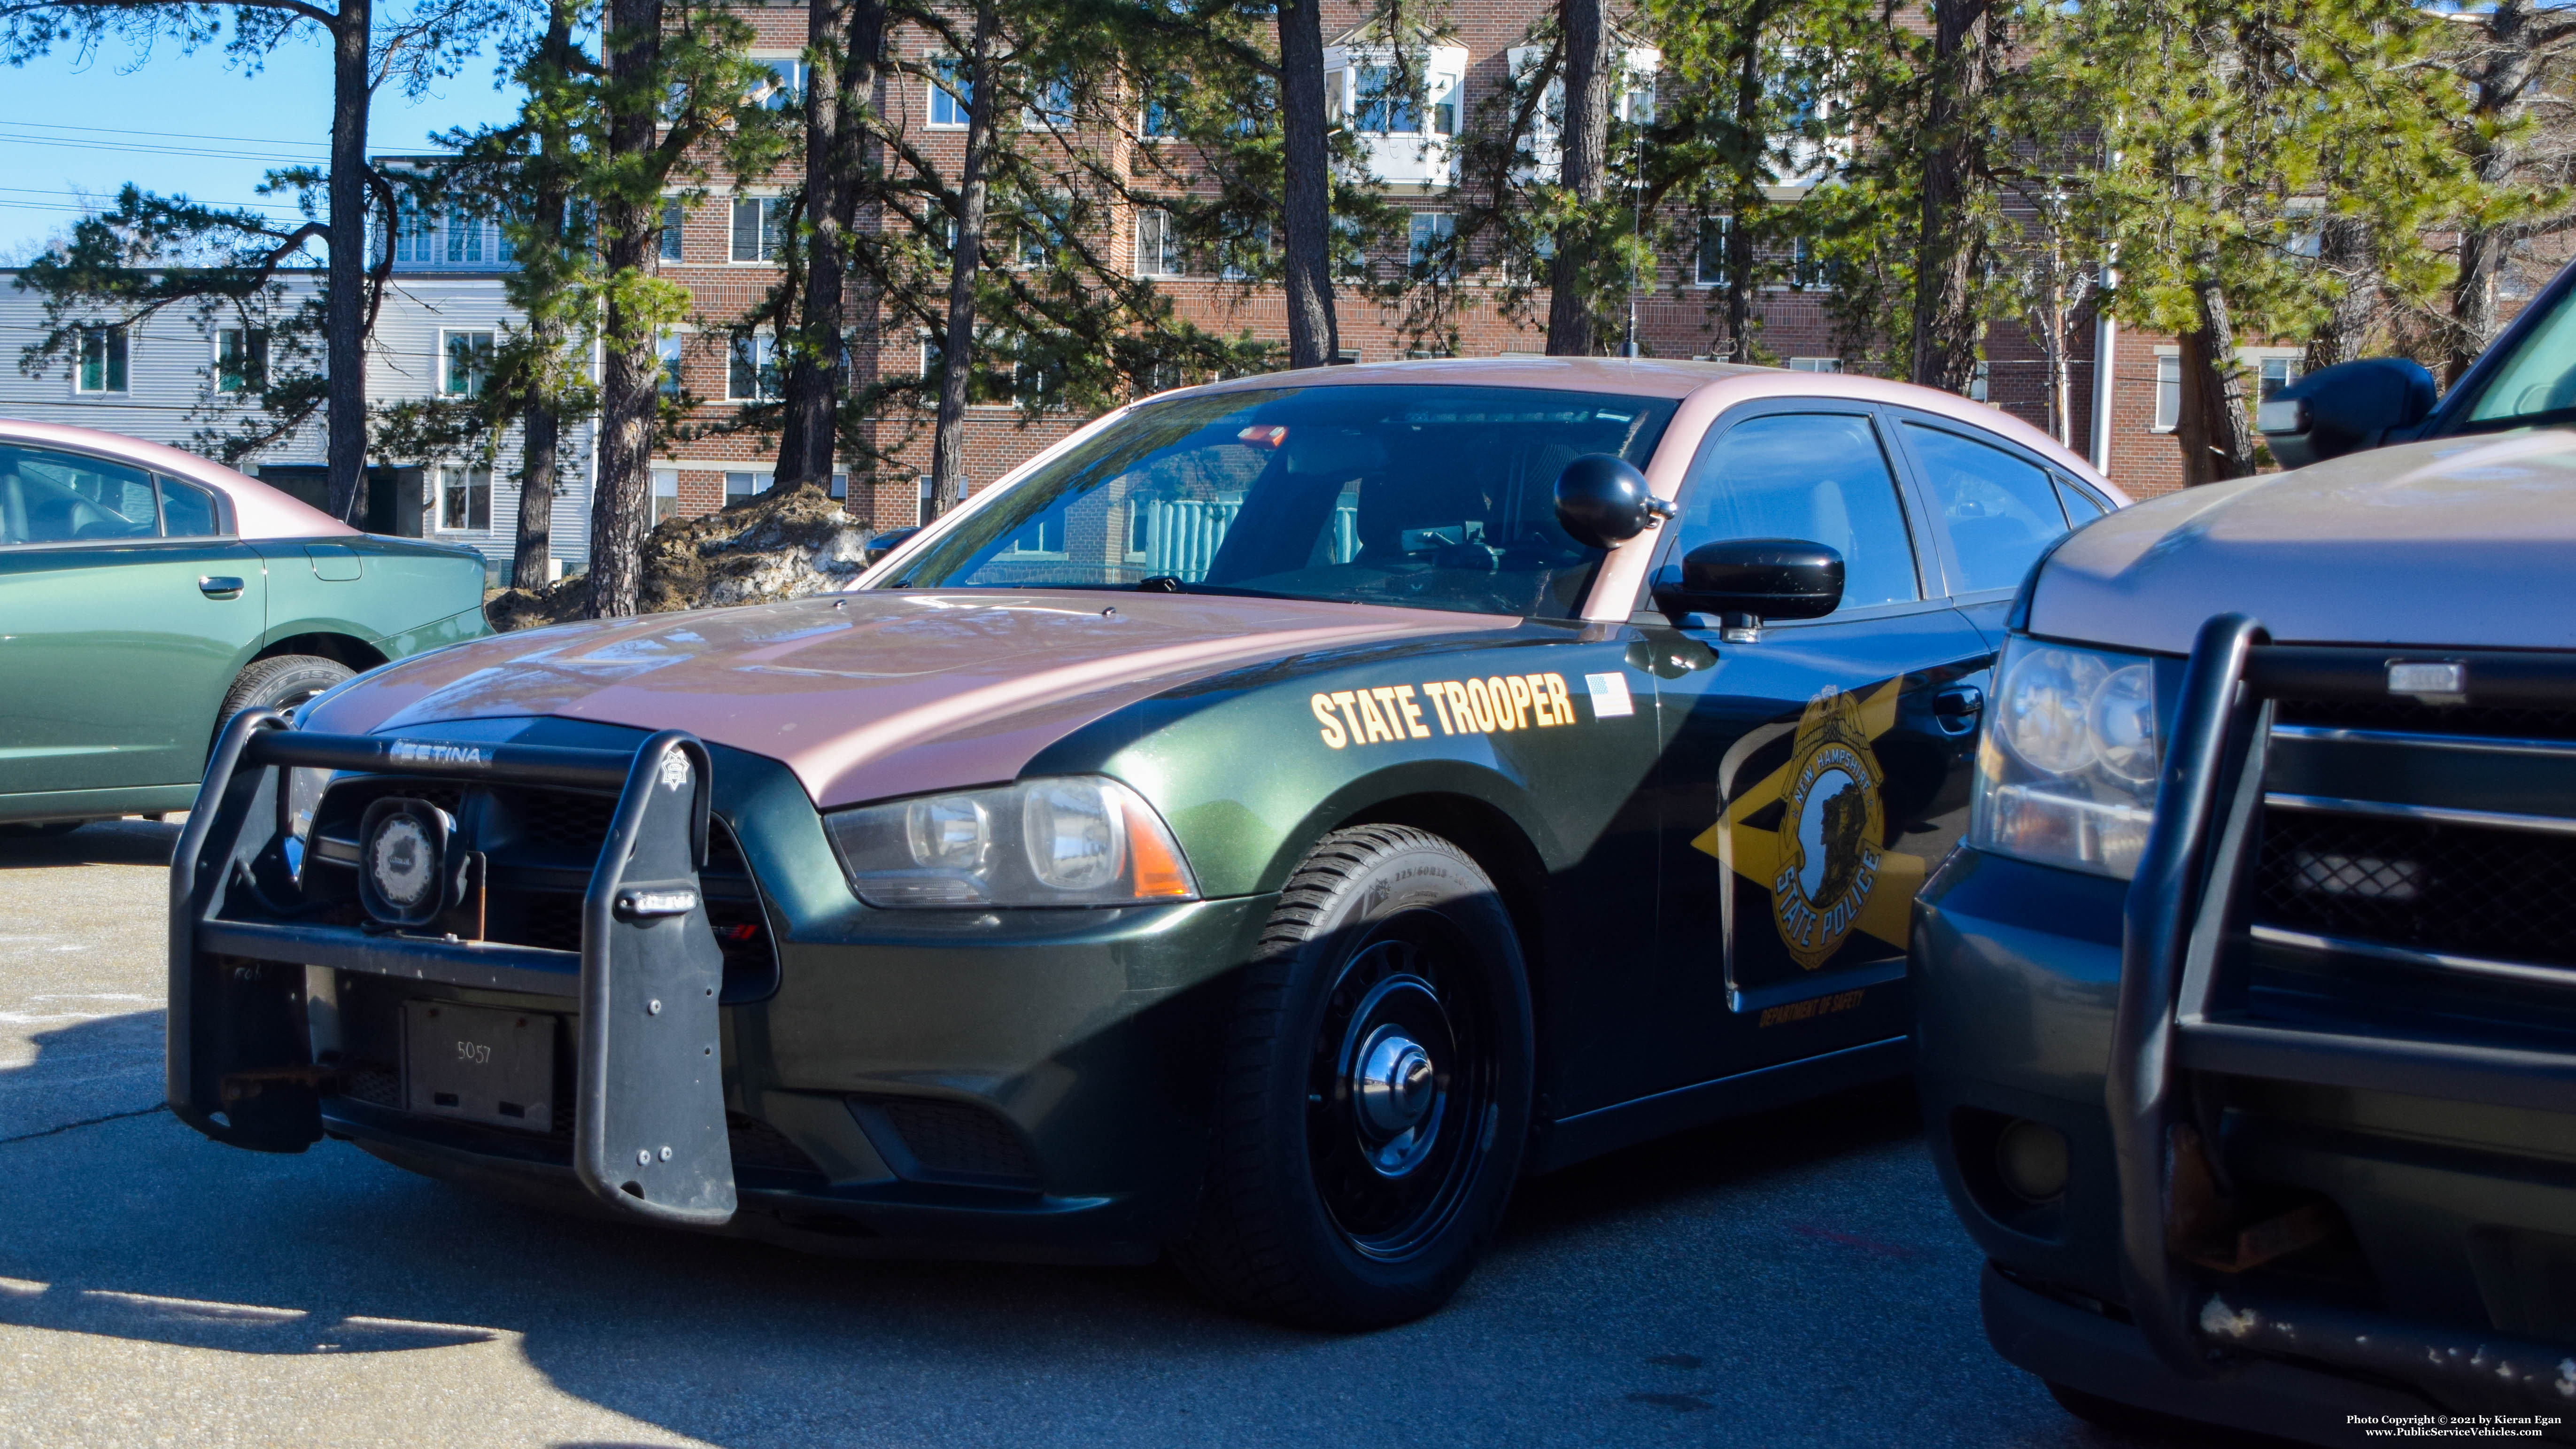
2463, 890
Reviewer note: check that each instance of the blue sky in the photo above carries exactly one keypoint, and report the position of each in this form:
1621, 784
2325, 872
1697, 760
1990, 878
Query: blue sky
187, 123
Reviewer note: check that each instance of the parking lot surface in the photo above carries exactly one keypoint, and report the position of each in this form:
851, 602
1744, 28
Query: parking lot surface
1792, 1279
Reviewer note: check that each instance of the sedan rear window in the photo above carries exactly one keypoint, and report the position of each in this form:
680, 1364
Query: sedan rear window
1424, 496
49, 497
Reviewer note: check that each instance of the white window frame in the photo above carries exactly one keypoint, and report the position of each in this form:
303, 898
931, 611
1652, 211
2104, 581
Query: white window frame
254, 359
1424, 228
764, 363
482, 376
2164, 418
463, 241
1815, 364
945, 71
790, 69
1158, 250
762, 483
671, 356
447, 475
673, 244
666, 489
2254, 359
115, 355
767, 240
1702, 275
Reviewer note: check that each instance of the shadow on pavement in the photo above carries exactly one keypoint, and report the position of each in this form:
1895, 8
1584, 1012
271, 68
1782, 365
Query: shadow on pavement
101, 842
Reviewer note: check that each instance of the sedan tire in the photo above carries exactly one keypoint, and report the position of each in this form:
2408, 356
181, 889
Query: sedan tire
280, 682
1375, 1096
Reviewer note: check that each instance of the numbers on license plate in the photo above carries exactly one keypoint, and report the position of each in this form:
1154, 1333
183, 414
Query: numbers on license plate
475, 1052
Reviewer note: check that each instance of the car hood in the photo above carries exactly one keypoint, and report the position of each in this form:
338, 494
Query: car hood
2458, 542
872, 694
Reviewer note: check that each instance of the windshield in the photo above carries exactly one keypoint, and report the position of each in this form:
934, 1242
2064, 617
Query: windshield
2536, 382
1423, 496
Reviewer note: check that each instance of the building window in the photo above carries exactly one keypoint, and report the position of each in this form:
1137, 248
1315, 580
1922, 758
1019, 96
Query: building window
783, 86
751, 371
929, 499
952, 94
666, 494
930, 357
1162, 122
673, 213
841, 485
464, 500
1244, 255
1050, 104
742, 486
102, 360
1429, 242
755, 228
1977, 383
1158, 244
1382, 106
2272, 374
411, 232
241, 359
467, 363
464, 236
2168, 392
667, 349
1709, 266
1807, 267
1041, 237
1815, 364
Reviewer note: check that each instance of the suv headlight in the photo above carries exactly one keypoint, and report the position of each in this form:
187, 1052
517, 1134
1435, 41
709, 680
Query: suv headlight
2066, 770
1077, 840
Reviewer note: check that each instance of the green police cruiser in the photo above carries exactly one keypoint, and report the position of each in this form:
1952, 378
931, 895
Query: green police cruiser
1257, 832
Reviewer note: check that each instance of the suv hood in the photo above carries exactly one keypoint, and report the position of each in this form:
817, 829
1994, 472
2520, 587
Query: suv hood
872, 694
2458, 542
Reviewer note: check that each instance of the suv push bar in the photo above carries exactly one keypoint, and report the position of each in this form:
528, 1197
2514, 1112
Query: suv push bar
2185, 907
649, 1132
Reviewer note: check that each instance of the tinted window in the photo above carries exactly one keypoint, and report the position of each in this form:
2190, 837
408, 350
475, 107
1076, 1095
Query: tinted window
1998, 511
2081, 507
1821, 477
50, 497
188, 511
1424, 496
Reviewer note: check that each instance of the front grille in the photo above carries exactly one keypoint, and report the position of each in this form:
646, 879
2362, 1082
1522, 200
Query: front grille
2414, 717
951, 1139
2462, 890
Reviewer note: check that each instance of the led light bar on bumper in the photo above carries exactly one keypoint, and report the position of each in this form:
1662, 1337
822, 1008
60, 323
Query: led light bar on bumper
2066, 772
1081, 840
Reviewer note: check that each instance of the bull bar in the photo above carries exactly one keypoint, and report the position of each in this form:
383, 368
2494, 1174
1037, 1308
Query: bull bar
649, 1134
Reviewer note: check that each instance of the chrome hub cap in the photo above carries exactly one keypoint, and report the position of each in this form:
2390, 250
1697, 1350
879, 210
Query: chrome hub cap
1395, 1081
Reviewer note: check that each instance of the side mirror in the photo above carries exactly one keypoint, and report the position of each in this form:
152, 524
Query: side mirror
1603, 501
2344, 409
885, 543
1747, 580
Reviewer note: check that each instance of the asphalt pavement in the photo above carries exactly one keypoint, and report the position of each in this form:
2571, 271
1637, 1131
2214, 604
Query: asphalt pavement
1792, 1279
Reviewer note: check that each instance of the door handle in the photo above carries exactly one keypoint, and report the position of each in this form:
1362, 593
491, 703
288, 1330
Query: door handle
219, 586
1957, 708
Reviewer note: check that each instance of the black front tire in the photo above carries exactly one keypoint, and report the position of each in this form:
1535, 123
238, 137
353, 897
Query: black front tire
1376, 1090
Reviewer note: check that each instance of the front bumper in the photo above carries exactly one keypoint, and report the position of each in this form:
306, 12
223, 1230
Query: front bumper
992, 1084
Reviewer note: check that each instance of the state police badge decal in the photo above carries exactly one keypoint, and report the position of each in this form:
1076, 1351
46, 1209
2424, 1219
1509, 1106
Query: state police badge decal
1830, 831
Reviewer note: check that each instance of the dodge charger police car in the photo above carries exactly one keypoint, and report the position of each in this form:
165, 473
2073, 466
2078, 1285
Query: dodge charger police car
1261, 830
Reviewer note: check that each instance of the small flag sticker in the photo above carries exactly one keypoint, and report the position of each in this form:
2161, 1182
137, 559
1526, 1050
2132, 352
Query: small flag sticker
1609, 695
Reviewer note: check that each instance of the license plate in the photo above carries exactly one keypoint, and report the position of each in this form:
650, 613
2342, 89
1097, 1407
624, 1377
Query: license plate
470, 1062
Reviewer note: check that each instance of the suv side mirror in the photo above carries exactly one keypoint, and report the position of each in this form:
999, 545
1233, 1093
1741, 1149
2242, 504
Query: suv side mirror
1603, 501
885, 543
1747, 580
2344, 409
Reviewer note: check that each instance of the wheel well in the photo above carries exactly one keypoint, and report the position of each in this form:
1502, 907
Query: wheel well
1496, 844
355, 653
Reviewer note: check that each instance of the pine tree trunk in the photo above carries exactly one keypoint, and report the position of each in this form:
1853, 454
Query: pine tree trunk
1945, 319
541, 422
841, 85
2496, 105
631, 226
957, 349
1748, 196
345, 326
1573, 324
2217, 438
2344, 250
1314, 335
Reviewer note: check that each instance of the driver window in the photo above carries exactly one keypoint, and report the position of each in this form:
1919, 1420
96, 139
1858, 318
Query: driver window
1819, 477
50, 497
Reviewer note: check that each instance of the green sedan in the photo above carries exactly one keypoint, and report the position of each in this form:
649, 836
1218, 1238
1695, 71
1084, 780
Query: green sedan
147, 595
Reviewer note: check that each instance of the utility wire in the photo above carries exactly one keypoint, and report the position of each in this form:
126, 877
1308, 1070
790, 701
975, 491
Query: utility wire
172, 135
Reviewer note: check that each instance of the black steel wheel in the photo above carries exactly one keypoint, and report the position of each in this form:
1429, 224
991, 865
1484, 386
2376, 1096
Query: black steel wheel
1376, 1092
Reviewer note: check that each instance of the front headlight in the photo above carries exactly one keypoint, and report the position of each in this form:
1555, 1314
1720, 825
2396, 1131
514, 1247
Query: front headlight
295, 806
2066, 772
1081, 840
